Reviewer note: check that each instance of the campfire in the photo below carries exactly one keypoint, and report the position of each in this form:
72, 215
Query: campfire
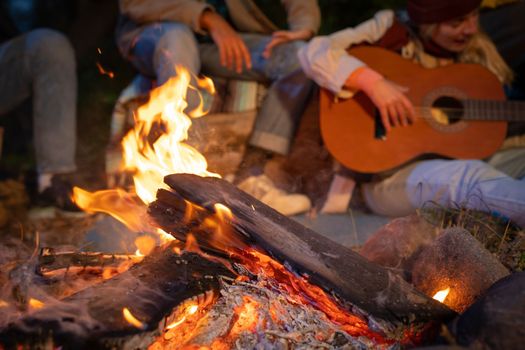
214, 269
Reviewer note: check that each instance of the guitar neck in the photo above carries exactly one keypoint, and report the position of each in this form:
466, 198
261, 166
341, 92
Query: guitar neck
493, 110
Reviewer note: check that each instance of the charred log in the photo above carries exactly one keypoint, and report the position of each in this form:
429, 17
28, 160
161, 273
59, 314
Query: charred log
93, 317
328, 264
49, 260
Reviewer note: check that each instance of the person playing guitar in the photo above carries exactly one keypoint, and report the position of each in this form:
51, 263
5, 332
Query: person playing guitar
435, 33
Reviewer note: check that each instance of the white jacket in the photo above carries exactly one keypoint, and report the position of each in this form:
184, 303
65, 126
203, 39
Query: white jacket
325, 60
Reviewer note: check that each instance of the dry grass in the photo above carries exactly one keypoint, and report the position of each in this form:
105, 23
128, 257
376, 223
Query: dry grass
501, 237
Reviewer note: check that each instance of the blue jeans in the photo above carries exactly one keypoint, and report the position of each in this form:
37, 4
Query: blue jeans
159, 47
497, 186
41, 65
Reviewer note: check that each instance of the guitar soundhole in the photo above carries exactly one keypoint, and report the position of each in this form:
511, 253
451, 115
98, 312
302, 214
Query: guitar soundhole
447, 110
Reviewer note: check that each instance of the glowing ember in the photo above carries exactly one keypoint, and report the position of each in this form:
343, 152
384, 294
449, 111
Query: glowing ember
102, 71
108, 273
182, 319
247, 317
3, 304
190, 310
35, 303
307, 294
132, 319
441, 295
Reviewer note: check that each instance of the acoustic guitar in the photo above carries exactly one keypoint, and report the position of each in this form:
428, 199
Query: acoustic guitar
461, 113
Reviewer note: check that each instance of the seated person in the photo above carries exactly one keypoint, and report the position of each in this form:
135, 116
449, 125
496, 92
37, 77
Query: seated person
40, 64
234, 40
436, 33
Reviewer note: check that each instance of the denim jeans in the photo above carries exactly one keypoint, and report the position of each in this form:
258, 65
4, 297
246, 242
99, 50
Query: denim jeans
159, 47
41, 65
496, 186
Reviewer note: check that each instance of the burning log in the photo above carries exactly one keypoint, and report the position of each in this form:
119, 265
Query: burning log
96, 318
50, 260
367, 285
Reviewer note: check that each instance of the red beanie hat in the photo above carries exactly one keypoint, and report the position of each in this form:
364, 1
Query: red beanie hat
434, 11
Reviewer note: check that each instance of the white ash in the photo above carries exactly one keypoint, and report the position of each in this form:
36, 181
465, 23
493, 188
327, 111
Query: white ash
293, 326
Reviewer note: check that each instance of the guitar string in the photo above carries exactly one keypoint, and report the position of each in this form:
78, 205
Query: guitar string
445, 109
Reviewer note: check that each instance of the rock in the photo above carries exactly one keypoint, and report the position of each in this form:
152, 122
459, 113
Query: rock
397, 243
458, 261
497, 320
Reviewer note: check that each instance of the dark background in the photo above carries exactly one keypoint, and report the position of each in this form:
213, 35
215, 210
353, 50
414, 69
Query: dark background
90, 26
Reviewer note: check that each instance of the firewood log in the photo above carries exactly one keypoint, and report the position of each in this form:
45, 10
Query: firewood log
330, 265
93, 318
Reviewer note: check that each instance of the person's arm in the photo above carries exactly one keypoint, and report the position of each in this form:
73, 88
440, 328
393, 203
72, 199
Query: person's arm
326, 61
200, 17
233, 52
184, 11
389, 98
304, 19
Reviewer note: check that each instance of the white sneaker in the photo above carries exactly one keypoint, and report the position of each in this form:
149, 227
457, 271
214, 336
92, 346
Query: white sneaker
263, 189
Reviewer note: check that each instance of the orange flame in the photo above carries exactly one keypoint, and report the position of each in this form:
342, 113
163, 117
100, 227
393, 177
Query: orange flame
108, 273
151, 160
123, 206
441, 295
307, 293
145, 245
132, 320
3, 304
185, 314
111, 271
35, 303
189, 310
222, 235
154, 148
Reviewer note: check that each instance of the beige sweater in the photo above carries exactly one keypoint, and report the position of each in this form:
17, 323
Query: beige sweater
246, 16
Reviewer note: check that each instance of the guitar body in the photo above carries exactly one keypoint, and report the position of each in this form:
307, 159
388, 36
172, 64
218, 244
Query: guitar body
348, 126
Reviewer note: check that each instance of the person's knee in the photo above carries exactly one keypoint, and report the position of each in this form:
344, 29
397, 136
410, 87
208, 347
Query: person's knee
475, 171
177, 40
50, 45
285, 55
450, 182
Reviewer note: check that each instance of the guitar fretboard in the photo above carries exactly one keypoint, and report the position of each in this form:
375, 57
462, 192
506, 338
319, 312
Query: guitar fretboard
494, 110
